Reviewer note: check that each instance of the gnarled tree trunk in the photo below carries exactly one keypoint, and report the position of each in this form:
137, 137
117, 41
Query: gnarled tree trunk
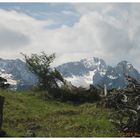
1, 110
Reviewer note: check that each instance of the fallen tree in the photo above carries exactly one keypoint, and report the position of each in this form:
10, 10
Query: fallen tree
125, 104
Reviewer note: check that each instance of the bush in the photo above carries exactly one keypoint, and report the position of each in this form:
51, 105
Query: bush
75, 95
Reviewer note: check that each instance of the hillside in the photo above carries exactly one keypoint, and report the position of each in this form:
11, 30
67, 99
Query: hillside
26, 113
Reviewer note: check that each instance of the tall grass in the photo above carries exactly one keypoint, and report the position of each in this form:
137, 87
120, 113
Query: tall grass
24, 111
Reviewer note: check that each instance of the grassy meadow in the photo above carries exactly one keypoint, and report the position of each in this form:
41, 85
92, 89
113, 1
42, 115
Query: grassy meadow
27, 111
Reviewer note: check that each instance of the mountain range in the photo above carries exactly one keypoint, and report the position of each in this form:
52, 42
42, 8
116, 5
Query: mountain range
95, 71
17, 74
80, 73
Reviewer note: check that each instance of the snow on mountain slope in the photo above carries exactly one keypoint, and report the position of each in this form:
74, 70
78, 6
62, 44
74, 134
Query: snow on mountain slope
17, 73
13, 83
81, 73
84, 80
95, 71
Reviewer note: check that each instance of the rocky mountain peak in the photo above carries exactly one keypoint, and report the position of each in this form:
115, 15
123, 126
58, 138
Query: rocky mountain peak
93, 62
95, 71
125, 65
18, 71
79, 73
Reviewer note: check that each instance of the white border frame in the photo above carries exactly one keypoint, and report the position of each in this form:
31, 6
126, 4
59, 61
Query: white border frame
70, 1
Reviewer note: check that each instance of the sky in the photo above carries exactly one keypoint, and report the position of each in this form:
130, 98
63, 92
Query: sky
72, 31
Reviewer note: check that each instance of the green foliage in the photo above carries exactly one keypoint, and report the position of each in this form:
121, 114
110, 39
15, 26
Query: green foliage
75, 94
48, 79
48, 118
40, 66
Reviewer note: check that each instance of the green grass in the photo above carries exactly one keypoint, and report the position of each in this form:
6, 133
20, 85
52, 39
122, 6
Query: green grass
47, 118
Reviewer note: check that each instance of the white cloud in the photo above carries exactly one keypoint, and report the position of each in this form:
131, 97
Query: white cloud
19, 32
10, 39
108, 31
66, 12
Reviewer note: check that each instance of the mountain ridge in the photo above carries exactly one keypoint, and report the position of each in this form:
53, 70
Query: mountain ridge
113, 77
18, 71
80, 73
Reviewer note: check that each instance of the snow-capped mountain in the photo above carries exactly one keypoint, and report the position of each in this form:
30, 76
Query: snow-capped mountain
13, 83
81, 73
95, 71
17, 73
